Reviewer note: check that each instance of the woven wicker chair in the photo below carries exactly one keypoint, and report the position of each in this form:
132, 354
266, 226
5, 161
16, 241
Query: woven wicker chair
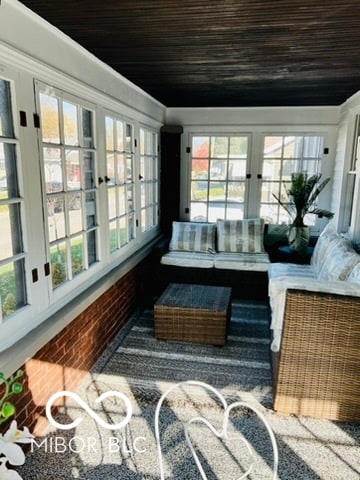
317, 371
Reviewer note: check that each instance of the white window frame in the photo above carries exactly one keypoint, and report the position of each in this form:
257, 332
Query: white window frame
188, 171
127, 210
149, 176
300, 161
73, 282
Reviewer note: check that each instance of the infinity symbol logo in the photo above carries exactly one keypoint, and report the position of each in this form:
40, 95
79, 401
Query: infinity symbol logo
91, 412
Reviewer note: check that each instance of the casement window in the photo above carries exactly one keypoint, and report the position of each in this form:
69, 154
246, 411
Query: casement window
282, 155
13, 294
218, 176
149, 179
234, 176
67, 138
120, 180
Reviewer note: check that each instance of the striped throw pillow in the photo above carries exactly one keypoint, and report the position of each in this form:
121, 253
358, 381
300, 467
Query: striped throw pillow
241, 236
193, 237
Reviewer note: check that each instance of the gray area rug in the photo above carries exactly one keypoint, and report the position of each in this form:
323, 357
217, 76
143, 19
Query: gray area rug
143, 368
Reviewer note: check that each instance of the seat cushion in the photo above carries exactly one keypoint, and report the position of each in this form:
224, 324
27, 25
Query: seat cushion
258, 262
188, 259
240, 236
277, 270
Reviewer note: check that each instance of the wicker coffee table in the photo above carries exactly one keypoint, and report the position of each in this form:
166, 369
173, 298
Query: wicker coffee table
193, 313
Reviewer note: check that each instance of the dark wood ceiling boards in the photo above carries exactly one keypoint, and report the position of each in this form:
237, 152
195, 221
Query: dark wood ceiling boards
224, 52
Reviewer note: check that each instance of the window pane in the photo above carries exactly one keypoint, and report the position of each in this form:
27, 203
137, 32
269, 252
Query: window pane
219, 147
216, 210
6, 117
120, 136
112, 202
199, 190
129, 138
70, 113
12, 287
75, 213
110, 168
236, 191
198, 211
131, 227
142, 141
268, 189
89, 169
90, 202
129, 168
123, 231
238, 147
8, 173
122, 200
201, 147
218, 169
58, 264
237, 170
113, 241
53, 170
121, 169
200, 169
273, 147
56, 217
91, 247
50, 120
217, 191
72, 165
109, 130
77, 255
87, 128
130, 198
11, 234
234, 211
271, 170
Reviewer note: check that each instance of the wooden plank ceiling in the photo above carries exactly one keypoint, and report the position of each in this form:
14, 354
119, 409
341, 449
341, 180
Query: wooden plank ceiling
224, 52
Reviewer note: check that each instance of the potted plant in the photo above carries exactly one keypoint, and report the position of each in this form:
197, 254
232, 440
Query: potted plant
301, 197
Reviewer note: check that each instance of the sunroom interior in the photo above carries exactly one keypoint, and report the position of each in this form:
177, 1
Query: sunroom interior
118, 119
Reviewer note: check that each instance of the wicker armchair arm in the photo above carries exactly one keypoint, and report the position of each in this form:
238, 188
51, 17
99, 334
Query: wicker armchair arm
278, 288
318, 363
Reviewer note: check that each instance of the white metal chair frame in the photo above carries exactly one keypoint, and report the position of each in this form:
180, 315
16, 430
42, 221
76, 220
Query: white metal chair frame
223, 434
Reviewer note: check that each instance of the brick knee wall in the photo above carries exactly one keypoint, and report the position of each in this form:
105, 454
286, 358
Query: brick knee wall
62, 363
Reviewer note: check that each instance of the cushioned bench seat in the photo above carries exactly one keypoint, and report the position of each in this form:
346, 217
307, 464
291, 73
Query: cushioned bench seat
228, 245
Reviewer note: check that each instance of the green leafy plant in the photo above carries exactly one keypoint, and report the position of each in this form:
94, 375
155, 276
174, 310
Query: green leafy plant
301, 197
13, 386
10, 450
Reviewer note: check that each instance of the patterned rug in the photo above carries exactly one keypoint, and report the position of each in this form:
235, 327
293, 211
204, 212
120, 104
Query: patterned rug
143, 368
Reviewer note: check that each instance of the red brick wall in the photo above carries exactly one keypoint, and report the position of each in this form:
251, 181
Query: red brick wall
63, 362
